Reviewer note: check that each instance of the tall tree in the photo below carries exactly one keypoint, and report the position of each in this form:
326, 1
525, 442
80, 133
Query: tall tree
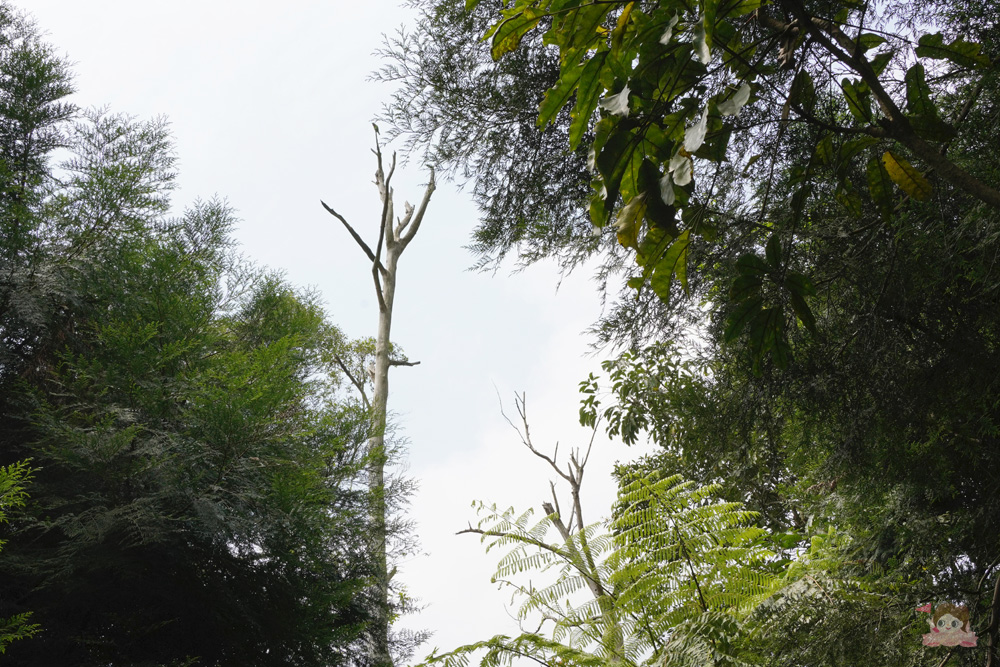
394, 236
839, 275
195, 497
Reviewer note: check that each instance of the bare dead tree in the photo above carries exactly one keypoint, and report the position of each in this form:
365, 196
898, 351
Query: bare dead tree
392, 241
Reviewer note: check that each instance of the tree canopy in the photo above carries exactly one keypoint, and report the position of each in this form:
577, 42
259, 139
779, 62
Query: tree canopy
798, 200
196, 494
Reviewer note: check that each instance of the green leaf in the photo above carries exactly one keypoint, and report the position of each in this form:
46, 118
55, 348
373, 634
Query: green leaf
960, 52
802, 93
906, 177
858, 98
881, 61
918, 93
797, 283
869, 41
587, 95
738, 319
850, 149
558, 95
674, 261
701, 44
880, 187
613, 160
803, 312
709, 10
582, 26
752, 265
773, 251
824, 150
511, 30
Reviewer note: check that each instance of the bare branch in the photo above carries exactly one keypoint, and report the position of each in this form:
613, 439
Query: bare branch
350, 376
420, 211
354, 234
382, 307
403, 362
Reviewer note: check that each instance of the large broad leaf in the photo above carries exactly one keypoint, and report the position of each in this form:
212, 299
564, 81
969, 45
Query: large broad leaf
581, 27
918, 93
772, 251
880, 187
629, 219
613, 161
673, 262
906, 177
881, 61
858, 98
746, 311
559, 95
509, 32
802, 94
960, 52
588, 93
869, 41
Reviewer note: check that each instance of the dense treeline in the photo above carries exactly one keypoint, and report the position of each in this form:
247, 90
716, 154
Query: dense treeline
797, 200
196, 494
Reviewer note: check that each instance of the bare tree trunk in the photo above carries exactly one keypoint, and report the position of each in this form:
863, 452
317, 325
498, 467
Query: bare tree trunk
394, 240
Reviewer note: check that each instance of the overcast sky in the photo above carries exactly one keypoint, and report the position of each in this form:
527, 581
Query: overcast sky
271, 109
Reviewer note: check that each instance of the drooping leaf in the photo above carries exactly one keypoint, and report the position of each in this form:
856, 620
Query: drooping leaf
869, 41
509, 32
918, 93
858, 98
960, 52
880, 187
612, 162
700, 40
881, 61
743, 314
906, 176
802, 93
695, 135
629, 218
587, 95
558, 95
732, 106
772, 251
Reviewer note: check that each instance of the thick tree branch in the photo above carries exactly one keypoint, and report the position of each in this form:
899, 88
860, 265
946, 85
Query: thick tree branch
415, 224
897, 124
357, 238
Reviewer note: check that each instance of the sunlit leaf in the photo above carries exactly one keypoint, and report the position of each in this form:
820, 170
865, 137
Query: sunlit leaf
906, 177
732, 106
510, 31
587, 94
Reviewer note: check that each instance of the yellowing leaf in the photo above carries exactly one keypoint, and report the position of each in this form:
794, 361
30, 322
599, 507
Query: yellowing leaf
629, 218
906, 177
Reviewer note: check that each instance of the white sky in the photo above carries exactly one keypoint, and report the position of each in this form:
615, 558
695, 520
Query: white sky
270, 109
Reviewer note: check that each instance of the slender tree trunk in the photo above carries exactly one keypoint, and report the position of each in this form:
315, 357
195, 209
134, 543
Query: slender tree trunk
394, 239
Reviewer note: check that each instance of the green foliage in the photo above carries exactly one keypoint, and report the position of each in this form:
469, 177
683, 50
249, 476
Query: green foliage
667, 581
195, 495
13, 478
